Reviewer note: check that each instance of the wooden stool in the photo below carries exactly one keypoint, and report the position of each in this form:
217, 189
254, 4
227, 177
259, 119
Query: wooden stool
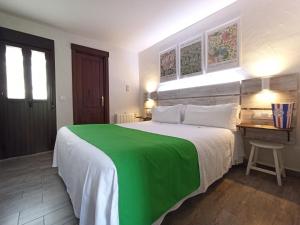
277, 154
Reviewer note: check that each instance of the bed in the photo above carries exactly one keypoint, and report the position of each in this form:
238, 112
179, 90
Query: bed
91, 176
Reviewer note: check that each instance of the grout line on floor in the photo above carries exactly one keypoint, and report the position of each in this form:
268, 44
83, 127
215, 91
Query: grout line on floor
42, 196
19, 217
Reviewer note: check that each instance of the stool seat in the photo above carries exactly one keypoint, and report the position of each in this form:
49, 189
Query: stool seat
267, 145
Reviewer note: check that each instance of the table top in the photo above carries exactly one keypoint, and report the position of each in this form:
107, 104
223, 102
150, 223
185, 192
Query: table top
266, 127
145, 118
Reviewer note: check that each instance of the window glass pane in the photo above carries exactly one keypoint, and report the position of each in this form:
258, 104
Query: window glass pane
38, 75
14, 73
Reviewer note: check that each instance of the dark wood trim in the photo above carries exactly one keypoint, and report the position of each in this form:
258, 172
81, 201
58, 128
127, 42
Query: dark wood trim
2, 96
51, 89
106, 85
27, 72
29, 40
87, 50
96, 52
75, 103
2, 71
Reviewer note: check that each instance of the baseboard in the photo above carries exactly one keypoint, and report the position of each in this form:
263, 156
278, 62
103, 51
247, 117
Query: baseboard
25, 156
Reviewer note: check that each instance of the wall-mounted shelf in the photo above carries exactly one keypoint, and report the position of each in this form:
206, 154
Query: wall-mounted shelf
244, 126
146, 118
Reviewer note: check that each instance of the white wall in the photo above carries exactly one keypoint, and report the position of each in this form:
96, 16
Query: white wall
123, 68
270, 44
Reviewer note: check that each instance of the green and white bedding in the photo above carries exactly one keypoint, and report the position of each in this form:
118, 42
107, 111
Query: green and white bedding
134, 175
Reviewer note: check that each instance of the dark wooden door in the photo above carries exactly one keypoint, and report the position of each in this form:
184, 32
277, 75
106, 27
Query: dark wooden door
27, 94
90, 85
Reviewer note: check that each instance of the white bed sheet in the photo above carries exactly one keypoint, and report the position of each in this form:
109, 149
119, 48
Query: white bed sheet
91, 176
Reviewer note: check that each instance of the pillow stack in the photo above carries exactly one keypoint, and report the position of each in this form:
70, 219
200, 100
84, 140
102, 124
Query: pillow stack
167, 114
224, 116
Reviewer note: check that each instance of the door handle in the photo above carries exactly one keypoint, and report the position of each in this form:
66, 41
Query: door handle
102, 101
52, 105
30, 103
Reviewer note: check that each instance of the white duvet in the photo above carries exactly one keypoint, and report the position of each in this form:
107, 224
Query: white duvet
91, 176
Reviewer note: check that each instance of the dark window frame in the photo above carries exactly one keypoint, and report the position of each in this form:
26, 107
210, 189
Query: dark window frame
28, 42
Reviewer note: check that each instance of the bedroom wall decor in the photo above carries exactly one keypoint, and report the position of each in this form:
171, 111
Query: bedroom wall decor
168, 64
191, 57
223, 47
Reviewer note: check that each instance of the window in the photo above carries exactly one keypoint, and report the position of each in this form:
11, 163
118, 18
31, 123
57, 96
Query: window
38, 75
14, 73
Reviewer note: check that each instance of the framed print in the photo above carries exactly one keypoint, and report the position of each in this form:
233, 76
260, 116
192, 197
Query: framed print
191, 57
168, 64
223, 47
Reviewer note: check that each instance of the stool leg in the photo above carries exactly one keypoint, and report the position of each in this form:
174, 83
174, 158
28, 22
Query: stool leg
281, 164
277, 168
255, 157
250, 160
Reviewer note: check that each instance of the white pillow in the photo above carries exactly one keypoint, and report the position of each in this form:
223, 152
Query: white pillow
167, 114
225, 115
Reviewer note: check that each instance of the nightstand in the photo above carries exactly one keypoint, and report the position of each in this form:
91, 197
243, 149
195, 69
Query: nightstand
142, 118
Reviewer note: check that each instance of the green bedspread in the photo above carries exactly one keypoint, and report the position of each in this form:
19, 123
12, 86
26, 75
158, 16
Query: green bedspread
154, 171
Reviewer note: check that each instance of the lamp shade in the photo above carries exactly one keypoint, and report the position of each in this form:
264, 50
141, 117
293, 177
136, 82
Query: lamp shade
149, 104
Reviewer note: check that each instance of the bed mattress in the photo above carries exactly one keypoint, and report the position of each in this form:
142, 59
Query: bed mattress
91, 177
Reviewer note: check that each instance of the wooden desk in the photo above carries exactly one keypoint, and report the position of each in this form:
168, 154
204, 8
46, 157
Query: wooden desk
244, 126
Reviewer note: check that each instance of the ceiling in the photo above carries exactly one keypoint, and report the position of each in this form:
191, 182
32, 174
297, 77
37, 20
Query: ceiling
130, 24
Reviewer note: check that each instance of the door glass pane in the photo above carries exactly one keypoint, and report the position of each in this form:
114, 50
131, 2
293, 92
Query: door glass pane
38, 75
14, 73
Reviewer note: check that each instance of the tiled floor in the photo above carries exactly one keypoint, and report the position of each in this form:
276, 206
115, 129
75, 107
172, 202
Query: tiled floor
32, 193
242, 200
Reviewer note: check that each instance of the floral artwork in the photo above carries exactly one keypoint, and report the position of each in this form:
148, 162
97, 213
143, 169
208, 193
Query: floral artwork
223, 47
168, 70
191, 58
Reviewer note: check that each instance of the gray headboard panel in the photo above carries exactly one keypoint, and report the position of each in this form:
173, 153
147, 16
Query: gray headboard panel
203, 95
285, 88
